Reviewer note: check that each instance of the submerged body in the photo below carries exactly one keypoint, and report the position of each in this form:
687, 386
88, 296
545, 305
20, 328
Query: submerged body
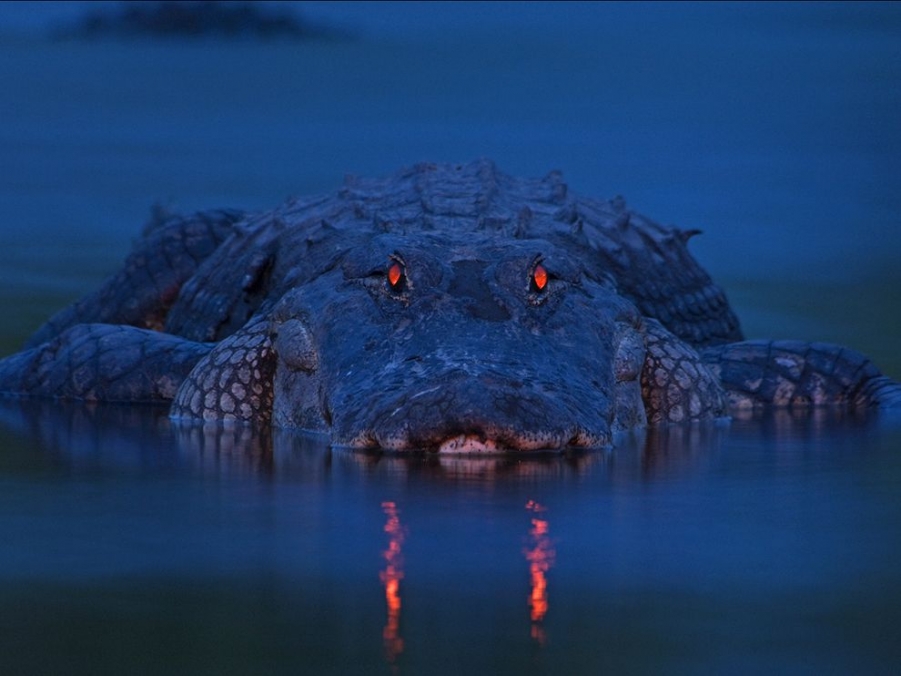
449, 308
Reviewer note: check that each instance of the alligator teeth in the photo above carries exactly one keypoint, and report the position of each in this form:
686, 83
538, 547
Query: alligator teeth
469, 443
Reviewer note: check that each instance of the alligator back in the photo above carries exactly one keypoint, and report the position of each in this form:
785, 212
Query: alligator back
271, 252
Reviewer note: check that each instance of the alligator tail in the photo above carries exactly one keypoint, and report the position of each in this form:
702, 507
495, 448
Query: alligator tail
882, 392
795, 374
102, 362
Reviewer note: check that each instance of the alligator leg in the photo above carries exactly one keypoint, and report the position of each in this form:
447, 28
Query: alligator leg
141, 293
785, 373
234, 381
676, 384
103, 362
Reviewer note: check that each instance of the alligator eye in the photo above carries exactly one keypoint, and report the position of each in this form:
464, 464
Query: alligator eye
539, 279
396, 277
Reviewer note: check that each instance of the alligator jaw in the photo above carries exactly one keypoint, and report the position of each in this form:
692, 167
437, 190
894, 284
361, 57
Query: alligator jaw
478, 443
470, 443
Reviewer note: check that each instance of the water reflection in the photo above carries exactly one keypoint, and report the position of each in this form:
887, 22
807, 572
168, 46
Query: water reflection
90, 435
470, 469
216, 448
391, 577
540, 556
676, 451
807, 422
121, 437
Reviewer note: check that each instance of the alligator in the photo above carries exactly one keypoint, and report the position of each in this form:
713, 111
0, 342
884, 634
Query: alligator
448, 308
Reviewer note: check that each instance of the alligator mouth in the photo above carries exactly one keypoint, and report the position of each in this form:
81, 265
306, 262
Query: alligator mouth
458, 414
466, 444
477, 443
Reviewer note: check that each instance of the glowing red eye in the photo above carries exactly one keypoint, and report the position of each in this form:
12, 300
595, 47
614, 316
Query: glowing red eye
539, 278
395, 276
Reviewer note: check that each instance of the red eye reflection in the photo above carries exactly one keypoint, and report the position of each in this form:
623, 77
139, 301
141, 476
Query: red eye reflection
395, 276
539, 278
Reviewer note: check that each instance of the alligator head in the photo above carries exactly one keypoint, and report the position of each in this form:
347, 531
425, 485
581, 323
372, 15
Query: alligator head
459, 345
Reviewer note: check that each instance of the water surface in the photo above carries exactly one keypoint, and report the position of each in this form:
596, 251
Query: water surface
132, 545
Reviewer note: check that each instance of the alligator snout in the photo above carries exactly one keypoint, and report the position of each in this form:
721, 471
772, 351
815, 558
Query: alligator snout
460, 414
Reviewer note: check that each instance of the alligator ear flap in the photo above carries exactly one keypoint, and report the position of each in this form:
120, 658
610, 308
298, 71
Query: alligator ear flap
676, 385
234, 381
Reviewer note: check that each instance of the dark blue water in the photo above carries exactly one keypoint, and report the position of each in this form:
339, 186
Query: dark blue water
131, 546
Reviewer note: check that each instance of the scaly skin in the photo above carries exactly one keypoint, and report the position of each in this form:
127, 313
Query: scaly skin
103, 362
143, 291
448, 308
795, 374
